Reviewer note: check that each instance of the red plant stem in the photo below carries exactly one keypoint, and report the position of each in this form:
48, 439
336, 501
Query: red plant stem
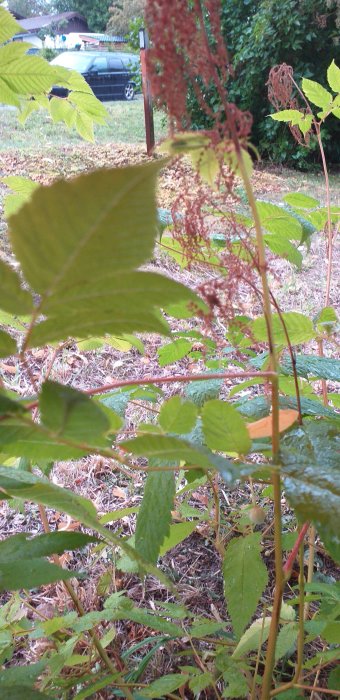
168, 379
287, 569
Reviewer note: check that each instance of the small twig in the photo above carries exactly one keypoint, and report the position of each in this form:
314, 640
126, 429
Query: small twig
288, 567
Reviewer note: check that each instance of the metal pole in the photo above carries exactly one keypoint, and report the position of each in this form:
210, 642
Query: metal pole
148, 107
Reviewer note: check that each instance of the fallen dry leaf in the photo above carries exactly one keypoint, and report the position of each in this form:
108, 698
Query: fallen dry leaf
263, 427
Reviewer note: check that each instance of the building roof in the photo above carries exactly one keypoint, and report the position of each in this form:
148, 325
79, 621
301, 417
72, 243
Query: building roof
33, 24
102, 38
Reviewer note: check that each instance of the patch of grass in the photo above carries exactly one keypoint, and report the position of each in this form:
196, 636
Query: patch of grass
125, 124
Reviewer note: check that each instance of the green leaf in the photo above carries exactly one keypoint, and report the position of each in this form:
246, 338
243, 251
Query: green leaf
177, 533
334, 679
171, 450
129, 304
154, 517
284, 249
172, 352
166, 684
286, 640
298, 199
24, 485
287, 115
8, 25
299, 328
83, 265
178, 416
224, 429
142, 617
21, 692
245, 578
256, 635
8, 345
331, 633
310, 455
237, 685
23, 75
333, 77
21, 565
22, 675
23, 189
312, 365
72, 415
316, 94
200, 682
277, 220
200, 392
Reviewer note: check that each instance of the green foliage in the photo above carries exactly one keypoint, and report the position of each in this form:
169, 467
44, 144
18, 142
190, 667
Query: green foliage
154, 515
243, 555
22, 562
80, 245
310, 456
259, 35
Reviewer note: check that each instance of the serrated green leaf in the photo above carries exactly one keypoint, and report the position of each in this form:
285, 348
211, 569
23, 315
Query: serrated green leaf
22, 675
178, 416
200, 392
286, 640
316, 94
237, 686
298, 199
287, 115
284, 249
21, 563
223, 428
24, 485
277, 220
154, 516
8, 25
167, 684
242, 591
23, 188
255, 635
172, 352
72, 415
310, 457
312, 365
8, 345
299, 328
200, 682
333, 77
22, 74
83, 266
171, 450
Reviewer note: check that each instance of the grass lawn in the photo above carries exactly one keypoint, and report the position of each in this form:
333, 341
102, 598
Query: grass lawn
125, 124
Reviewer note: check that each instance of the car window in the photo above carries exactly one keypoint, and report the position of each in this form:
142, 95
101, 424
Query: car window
79, 61
115, 63
99, 65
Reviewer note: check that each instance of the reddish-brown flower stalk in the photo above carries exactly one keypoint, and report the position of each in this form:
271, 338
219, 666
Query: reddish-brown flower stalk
281, 96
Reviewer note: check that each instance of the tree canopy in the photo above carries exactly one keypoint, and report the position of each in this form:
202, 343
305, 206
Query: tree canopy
123, 13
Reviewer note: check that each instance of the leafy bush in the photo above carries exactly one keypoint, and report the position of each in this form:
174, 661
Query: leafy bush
259, 35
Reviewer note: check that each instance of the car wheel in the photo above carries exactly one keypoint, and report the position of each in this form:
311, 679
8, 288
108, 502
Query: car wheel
129, 91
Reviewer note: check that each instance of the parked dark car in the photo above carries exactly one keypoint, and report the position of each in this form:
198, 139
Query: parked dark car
111, 75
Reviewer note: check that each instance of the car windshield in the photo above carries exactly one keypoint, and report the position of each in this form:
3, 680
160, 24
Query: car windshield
73, 61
